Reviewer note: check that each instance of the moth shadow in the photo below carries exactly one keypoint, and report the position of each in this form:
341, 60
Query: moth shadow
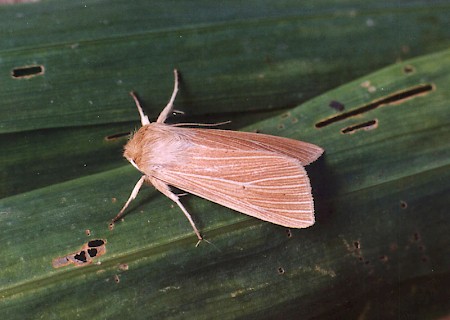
324, 186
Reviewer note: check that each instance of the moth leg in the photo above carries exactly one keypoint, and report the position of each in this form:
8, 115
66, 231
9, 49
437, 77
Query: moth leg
165, 190
133, 195
166, 111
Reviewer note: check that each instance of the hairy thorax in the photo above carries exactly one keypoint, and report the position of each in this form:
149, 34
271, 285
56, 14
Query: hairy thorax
156, 145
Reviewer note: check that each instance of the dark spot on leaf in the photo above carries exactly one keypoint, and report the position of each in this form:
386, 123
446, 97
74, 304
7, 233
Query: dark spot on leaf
408, 69
357, 245
280, 270
336, 105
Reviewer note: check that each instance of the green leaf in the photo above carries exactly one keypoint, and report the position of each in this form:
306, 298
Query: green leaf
239, 62
381, 224
380, 193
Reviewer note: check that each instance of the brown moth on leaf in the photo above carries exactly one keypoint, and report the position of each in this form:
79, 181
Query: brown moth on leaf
257, 174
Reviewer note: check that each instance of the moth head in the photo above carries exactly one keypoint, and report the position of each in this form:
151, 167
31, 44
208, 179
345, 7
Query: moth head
133, 149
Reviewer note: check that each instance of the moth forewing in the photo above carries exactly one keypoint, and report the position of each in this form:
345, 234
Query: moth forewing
266, 185
304, 152
259, 175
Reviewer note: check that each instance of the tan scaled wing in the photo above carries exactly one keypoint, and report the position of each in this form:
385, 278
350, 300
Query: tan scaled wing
225, 168
303, 151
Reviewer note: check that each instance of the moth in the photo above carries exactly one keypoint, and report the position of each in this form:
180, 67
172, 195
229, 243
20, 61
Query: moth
256, 174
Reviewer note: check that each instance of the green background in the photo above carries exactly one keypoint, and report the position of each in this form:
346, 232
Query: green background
379, 245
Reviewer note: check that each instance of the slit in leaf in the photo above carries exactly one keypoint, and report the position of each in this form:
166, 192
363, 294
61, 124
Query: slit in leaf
116, 136
368, 125
395, 98
27, 72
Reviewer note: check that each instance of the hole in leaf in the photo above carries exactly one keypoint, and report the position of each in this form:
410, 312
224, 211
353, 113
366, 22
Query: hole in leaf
289, 233
395, 98
92, 252
27, 72
81, 256
280, 270
96, 243
368, 125
403, 204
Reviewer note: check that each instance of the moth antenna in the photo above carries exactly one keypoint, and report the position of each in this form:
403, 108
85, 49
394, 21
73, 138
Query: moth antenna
166, 111
144, 118
201, 124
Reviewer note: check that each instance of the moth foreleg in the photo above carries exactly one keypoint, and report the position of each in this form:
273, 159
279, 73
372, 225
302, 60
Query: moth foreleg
133, 195
144, 118
166, 111
164, 189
